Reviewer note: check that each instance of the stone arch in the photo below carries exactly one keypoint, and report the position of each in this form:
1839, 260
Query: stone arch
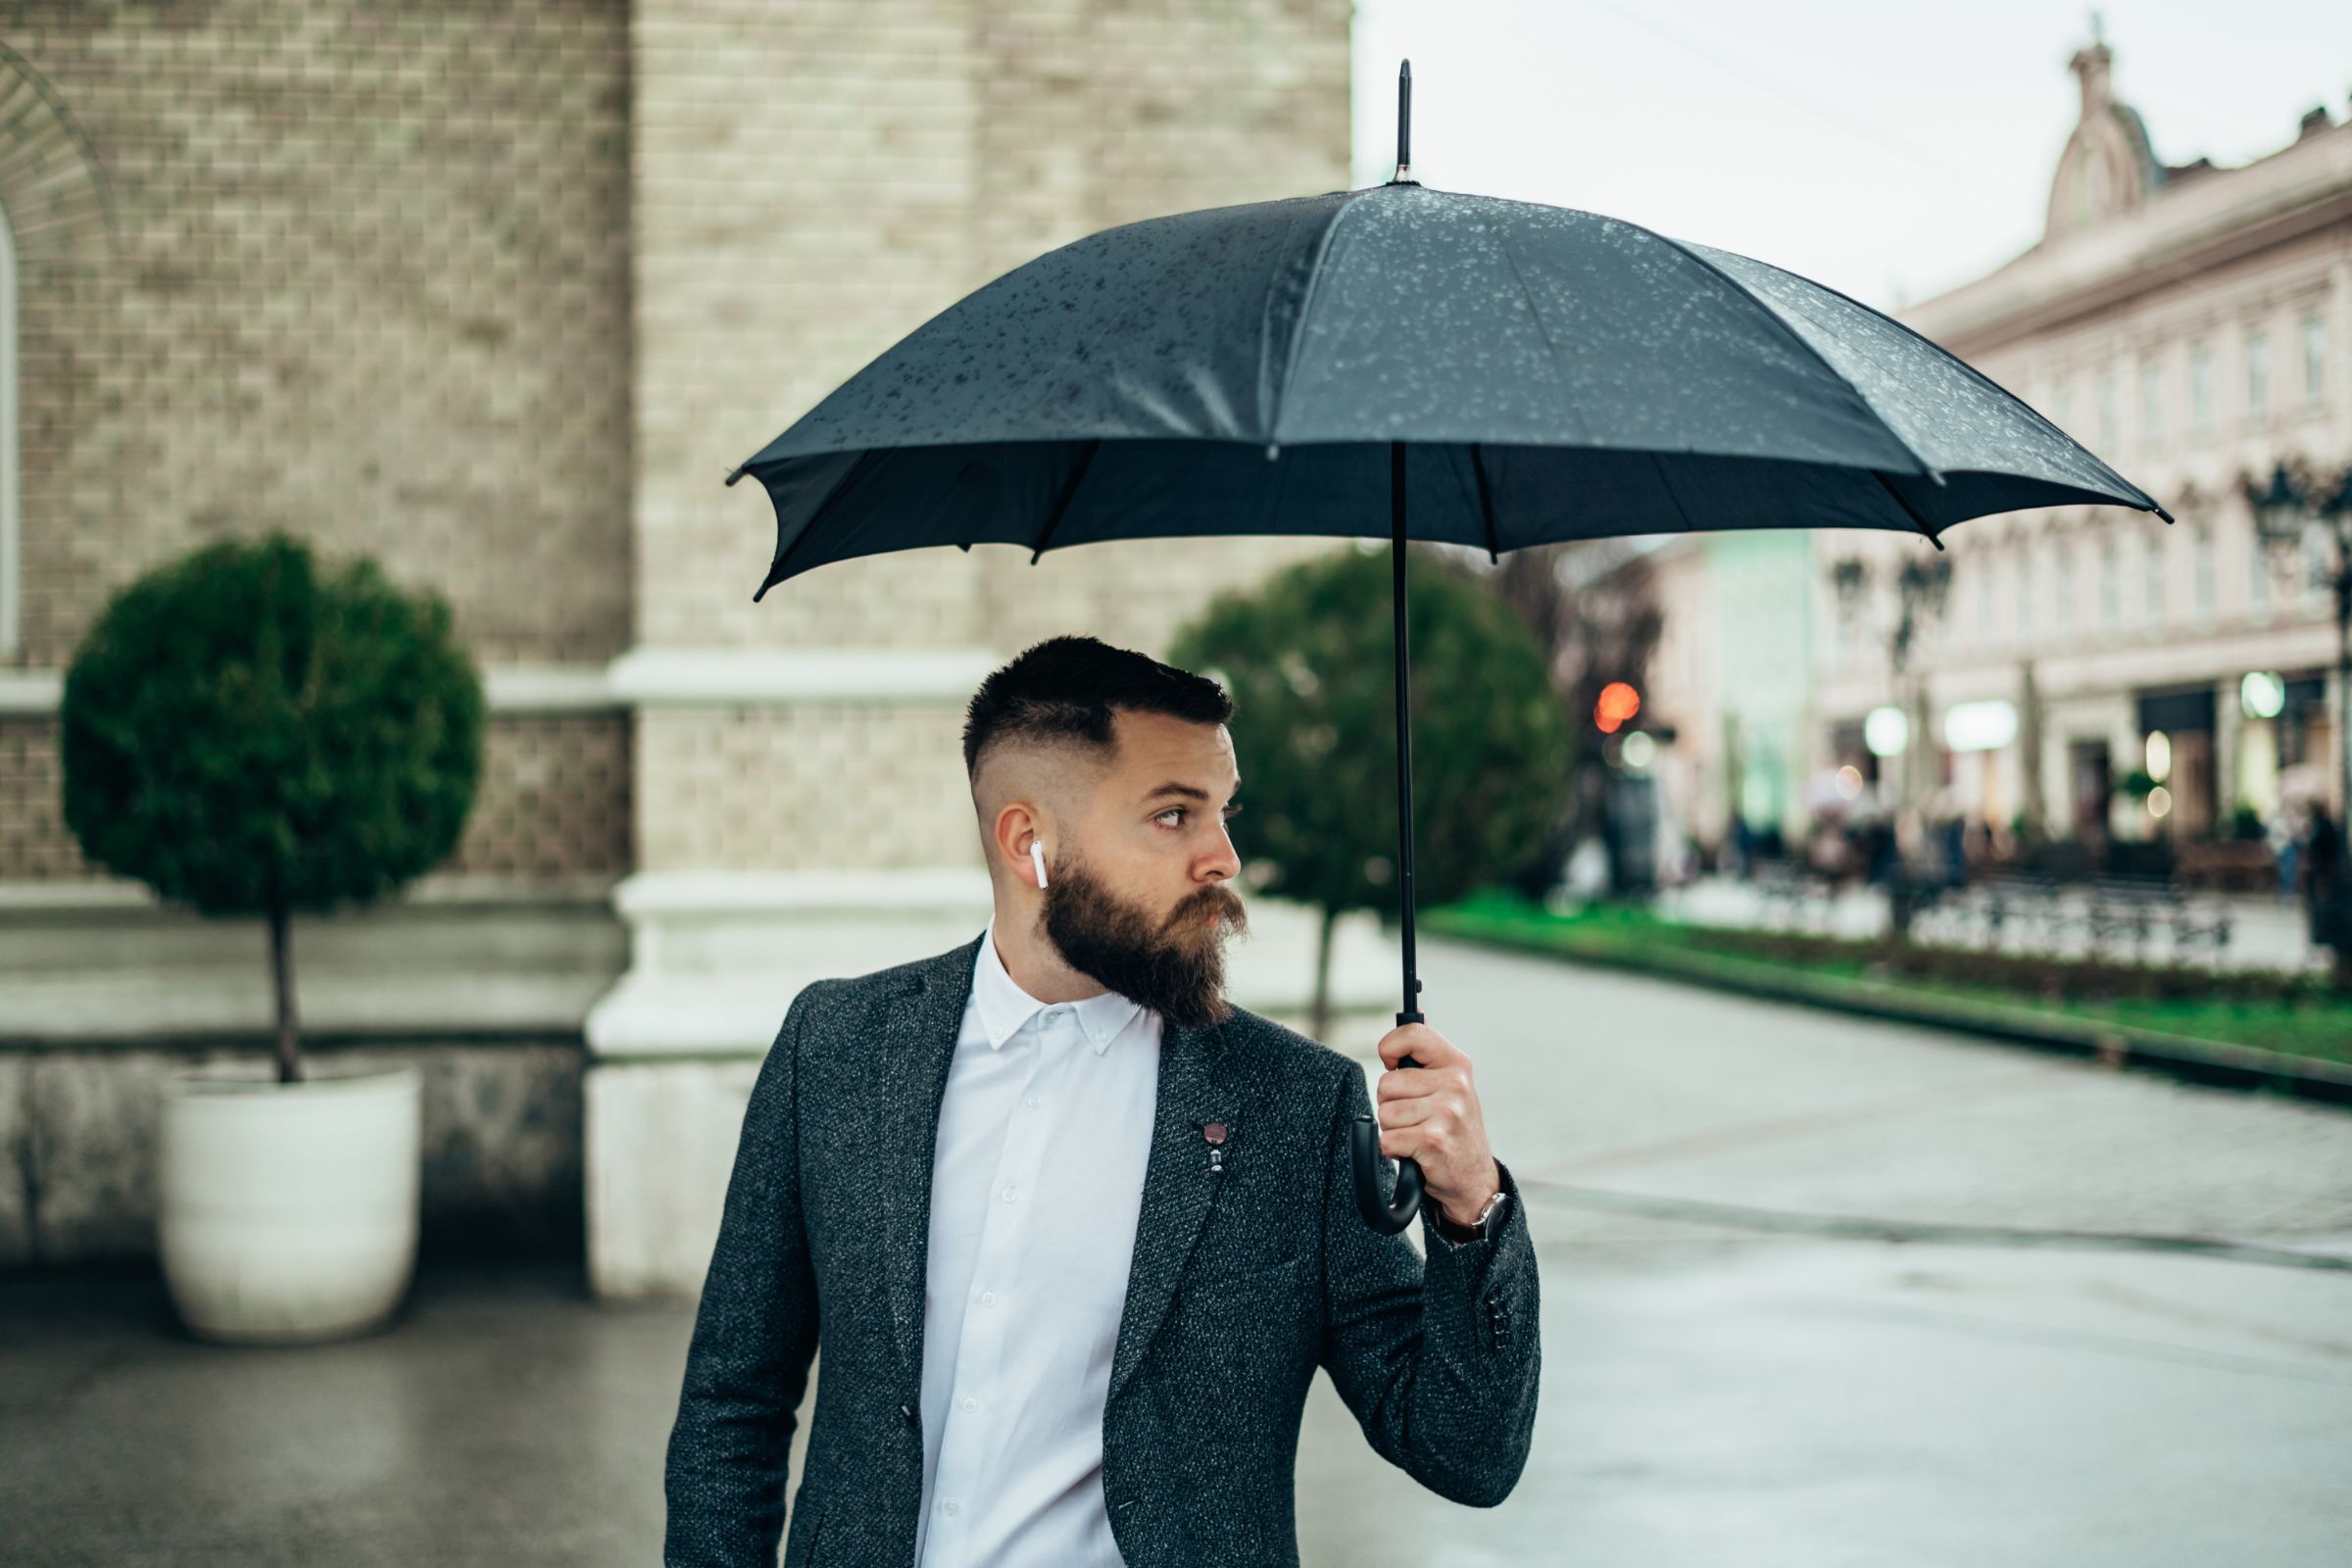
61, 210
57, 214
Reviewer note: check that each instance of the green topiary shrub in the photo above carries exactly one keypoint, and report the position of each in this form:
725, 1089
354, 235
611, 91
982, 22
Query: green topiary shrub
1308, 657
250, 738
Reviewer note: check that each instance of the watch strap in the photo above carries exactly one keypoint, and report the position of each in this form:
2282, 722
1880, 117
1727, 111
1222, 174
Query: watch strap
1479, 1229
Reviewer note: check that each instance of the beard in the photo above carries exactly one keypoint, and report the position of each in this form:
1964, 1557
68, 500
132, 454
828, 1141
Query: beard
1175, 966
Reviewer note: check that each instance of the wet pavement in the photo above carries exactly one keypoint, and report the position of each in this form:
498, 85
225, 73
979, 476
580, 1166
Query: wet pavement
1817, 1290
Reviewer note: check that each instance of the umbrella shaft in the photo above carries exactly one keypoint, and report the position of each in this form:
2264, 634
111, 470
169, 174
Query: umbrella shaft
1404, 727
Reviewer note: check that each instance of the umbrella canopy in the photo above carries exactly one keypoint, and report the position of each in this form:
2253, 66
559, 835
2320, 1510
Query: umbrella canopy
1557, 374
1484, 373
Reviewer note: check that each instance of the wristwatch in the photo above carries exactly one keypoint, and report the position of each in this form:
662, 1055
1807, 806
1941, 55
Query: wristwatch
1483, 1228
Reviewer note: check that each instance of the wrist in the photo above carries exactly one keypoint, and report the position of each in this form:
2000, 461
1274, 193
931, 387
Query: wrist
1465, 1218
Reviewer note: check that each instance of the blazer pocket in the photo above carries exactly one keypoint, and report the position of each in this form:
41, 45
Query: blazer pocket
1254, 1281
802, 1528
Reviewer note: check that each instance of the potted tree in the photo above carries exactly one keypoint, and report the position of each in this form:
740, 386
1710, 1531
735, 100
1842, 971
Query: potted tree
249, 736
1308, 657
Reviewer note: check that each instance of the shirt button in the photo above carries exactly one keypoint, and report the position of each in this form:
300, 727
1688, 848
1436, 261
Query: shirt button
948, 1505
988, 1297
1052, 1014
970, 1403
1008, 1192
1033, 1101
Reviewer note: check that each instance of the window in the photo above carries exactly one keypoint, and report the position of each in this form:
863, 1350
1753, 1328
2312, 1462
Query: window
2152, 571
2257, 572
2315, 358
2109, 416
2023, 595
2064, 550
1981, 571
2151, 401
11, 589
2111, 584
2258, 374
2062, 404
2201, 566
2200, 387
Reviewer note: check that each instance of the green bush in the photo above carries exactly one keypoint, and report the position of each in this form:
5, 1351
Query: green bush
1308, 657
250, 738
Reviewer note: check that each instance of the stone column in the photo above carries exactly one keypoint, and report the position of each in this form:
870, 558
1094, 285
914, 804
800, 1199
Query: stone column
2227, 726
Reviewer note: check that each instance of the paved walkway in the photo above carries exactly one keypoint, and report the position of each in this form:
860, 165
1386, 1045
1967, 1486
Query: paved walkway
1743, 1364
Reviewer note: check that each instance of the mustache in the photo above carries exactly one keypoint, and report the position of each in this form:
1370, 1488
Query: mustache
1220, 899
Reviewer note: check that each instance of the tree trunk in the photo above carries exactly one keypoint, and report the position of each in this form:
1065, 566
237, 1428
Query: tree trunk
281, 970
1319, 1024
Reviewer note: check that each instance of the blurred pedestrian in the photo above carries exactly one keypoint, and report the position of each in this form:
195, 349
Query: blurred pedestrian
2322, 861
2284, 833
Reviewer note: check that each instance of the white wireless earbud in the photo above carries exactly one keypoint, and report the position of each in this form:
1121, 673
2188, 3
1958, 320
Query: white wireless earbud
1037, 858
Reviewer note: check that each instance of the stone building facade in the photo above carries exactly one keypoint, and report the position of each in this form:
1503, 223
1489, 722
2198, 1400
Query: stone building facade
500, 295
2192, 325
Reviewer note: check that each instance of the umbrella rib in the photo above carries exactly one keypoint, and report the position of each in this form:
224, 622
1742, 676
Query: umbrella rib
1666, 483
1905, 501
1807, 348
1485, 500
1062, 502
775, 571
1296, 346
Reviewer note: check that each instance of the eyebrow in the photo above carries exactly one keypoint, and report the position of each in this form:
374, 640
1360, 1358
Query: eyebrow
1189, 791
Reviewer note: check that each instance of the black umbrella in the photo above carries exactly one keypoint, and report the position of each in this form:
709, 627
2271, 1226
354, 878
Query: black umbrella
1500, 372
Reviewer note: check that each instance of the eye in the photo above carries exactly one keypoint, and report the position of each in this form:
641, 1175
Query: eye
1231, 812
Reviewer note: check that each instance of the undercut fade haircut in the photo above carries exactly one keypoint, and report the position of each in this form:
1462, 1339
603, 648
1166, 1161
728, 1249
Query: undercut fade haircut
1063, 690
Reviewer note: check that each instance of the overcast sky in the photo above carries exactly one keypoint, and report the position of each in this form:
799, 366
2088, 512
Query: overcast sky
1891, 151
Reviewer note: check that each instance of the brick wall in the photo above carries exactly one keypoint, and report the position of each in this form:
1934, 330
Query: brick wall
499, 294
813, 182
369, 283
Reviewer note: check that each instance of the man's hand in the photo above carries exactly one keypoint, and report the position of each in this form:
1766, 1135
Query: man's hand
1429, 1114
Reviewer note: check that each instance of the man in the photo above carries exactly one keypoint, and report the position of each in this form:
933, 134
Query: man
1077, 1231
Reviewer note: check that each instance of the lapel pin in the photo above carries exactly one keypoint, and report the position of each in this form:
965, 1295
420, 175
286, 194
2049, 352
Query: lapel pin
1213, 1133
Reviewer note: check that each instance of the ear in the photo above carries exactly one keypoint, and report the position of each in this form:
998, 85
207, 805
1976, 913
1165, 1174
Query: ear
1017, 822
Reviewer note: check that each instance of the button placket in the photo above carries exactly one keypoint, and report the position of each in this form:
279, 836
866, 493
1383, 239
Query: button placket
980, 1353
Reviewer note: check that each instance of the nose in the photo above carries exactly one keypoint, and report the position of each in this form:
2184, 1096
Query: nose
1228, 863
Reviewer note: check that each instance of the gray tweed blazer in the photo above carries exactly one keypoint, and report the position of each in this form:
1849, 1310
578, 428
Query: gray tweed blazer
1242, 1283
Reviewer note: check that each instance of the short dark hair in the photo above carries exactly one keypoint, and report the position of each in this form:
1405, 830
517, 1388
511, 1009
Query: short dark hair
1064, 688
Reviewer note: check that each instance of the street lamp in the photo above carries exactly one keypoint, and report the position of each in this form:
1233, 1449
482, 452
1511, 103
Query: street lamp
2284, 510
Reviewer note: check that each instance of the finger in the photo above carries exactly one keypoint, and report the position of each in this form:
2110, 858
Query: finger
1424, 1142
1407, 1112
1427, 1047
1411, 1083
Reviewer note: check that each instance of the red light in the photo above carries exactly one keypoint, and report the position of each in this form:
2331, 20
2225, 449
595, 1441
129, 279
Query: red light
1618, 702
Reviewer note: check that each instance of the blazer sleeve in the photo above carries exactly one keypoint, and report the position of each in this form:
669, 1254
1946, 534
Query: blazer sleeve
1439, 1361
755, 1336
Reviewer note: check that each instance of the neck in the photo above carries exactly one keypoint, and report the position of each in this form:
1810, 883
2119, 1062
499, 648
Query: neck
1034, 964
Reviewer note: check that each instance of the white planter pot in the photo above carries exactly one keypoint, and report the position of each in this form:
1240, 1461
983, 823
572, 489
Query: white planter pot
287, 1213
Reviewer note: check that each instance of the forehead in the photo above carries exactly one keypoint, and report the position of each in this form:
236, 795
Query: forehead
1155, 749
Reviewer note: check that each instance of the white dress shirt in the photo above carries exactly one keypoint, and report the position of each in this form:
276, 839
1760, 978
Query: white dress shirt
1044, 1134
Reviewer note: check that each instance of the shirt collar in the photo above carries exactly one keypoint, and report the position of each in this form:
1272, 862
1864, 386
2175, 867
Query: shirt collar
1004, 1006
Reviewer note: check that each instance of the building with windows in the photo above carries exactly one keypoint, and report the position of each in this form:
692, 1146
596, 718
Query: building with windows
2192, 325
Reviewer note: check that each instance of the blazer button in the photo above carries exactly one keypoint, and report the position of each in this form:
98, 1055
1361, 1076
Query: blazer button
906, 1414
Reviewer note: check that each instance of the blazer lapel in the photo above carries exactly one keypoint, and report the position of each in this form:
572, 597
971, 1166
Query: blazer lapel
922, 1021
919, 1046
1178, 1185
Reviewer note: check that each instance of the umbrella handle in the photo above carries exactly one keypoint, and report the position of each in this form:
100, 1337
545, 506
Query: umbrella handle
1364, 1137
